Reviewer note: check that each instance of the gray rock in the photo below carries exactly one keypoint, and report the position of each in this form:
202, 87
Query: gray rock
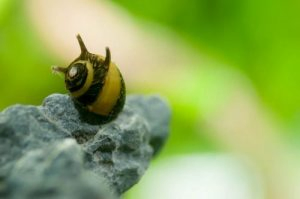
59, 150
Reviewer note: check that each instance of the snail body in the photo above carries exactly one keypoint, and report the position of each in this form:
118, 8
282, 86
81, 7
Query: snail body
95, 82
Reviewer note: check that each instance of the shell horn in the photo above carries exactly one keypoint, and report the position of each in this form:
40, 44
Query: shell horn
107, 57
83, 49
57, 69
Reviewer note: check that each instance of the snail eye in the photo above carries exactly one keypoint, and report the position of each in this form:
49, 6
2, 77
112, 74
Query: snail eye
73, 72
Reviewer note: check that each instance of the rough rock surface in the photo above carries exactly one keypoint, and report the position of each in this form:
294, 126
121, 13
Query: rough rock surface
58, 150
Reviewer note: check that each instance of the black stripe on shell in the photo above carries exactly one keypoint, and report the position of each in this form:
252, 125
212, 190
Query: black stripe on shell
120, 102
118, 106
100, 72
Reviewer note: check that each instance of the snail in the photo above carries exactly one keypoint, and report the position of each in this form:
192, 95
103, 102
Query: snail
95, 82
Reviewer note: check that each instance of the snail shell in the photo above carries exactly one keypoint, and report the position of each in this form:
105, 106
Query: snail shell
95, 82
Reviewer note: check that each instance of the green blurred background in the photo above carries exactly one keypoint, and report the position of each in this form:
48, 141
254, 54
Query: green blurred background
229, 69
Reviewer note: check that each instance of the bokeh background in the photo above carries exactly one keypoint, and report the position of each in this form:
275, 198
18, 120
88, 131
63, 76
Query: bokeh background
228, 68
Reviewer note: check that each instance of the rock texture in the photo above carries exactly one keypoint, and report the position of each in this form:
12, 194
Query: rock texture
59, 150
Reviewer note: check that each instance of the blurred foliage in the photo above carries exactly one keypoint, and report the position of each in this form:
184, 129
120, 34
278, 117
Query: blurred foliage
24, 63
261, 38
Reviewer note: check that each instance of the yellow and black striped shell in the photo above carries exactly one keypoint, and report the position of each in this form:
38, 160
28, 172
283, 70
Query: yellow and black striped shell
95, 82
